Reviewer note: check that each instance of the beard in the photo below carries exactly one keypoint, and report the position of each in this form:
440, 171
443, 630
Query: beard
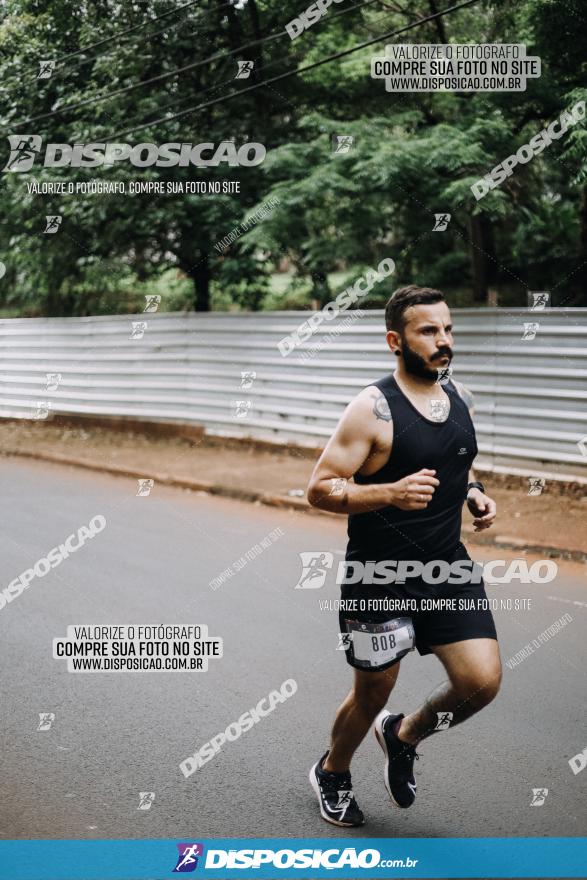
416, 365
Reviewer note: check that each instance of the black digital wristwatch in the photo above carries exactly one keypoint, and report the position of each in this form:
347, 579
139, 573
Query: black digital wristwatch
475, 485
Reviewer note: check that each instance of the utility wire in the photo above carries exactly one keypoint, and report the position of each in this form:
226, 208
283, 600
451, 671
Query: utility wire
269, 64
297, 70
72, 67
129, 30
163, 76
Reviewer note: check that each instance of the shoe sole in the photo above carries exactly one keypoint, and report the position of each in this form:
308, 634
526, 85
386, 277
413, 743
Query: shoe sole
378, 728
325, 816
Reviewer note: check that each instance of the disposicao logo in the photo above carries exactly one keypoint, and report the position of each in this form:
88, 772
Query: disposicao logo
24, 149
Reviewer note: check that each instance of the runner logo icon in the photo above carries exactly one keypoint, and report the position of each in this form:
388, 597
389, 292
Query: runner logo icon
46, 68
315, 564
24, 149
187, 860
46, 719
539, 795
52, 223
441, 222
342, 143
444, 719
244, 69
344, 641
146, 799
343, 803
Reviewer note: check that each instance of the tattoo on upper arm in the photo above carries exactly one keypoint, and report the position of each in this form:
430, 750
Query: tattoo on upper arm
381, 407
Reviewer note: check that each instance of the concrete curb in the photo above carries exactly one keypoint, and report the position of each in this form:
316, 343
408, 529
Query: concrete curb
282, 501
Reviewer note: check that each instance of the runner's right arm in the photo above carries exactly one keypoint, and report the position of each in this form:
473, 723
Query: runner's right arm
353, 442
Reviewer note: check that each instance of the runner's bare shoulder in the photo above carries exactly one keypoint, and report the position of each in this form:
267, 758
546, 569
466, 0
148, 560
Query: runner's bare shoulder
367, 411
369, 417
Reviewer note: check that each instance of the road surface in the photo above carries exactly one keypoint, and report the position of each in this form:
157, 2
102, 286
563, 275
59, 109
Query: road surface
117, 734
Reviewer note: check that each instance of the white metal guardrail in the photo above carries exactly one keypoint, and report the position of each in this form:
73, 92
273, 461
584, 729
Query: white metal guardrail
530, 394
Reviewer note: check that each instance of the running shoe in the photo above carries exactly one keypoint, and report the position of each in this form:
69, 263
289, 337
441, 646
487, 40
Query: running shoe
399, 760
335, 796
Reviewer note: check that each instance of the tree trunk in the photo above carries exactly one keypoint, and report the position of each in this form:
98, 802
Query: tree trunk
140, 263
201, 279
438, 23
320, 286
194, 261
256, 26
483, 262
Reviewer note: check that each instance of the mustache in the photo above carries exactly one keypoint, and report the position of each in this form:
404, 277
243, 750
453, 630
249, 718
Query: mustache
442, 352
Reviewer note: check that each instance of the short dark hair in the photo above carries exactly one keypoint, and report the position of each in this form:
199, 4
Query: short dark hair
404, 297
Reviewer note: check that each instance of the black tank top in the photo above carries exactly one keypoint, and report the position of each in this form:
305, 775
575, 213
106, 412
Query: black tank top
447, 447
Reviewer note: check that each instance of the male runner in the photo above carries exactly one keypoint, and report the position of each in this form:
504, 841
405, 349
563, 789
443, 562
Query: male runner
409, 442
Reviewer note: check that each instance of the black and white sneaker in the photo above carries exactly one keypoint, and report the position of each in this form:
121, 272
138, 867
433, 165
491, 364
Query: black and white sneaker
335, 796
399, 760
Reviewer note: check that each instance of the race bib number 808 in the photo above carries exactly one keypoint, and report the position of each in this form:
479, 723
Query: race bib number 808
374, 645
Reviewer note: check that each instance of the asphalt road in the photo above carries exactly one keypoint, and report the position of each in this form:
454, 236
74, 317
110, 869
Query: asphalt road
118, 734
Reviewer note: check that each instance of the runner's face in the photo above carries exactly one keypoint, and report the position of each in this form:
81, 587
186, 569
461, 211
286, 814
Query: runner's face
426, 341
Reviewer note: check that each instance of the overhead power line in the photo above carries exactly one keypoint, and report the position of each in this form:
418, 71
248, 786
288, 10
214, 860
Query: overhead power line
266, 65
164, 76
298, 70
129, 30
118, 37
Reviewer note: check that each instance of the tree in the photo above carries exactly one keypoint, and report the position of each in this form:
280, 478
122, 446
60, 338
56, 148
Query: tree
414, 155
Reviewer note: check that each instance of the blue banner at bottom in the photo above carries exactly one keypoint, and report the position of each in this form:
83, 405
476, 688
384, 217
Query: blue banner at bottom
274, 858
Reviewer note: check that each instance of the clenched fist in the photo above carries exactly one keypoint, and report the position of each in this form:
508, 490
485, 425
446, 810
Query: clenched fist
415, 491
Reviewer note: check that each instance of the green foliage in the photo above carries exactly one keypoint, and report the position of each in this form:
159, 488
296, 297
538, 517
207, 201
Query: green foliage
413, 156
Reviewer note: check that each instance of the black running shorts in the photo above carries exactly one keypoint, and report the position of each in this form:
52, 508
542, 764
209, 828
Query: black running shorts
375, 637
